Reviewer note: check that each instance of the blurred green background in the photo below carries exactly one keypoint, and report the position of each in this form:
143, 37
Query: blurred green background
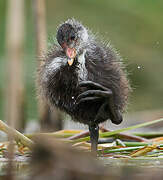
134, 27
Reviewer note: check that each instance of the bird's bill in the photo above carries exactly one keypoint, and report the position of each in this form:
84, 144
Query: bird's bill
70, 61
71, 54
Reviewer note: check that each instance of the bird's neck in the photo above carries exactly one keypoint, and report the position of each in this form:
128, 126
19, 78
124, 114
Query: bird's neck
82, 71
81, 57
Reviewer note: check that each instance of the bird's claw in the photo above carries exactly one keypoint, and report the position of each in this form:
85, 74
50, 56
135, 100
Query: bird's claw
82, 100
91, 84
93, 94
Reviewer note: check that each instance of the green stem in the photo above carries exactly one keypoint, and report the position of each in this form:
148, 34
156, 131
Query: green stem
120, 149
133, 144
108, 134
113, 133
148, 135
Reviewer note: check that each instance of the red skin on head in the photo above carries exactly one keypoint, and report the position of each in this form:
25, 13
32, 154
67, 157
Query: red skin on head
70, 52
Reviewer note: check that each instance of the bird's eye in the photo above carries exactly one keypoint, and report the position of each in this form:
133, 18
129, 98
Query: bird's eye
72, 37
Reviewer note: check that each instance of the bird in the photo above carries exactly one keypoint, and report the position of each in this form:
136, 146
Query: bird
84, 77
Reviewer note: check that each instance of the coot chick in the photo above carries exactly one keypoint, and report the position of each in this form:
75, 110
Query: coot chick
84, 78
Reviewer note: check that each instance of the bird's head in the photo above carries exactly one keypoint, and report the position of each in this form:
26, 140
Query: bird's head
72, 37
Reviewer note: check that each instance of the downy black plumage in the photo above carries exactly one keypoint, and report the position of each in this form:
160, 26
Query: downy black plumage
84, 77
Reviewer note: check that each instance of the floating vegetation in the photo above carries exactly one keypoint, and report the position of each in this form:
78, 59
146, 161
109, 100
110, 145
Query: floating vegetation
113, 144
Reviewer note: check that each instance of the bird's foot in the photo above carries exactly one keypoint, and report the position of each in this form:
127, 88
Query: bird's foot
93, 95
100, 92
91, 84
95, 91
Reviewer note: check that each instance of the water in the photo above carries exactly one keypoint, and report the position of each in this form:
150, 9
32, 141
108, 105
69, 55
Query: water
139, 162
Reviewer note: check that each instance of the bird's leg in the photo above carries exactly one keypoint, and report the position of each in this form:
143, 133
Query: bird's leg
105, 93
106, 111
102, 113
94, 135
